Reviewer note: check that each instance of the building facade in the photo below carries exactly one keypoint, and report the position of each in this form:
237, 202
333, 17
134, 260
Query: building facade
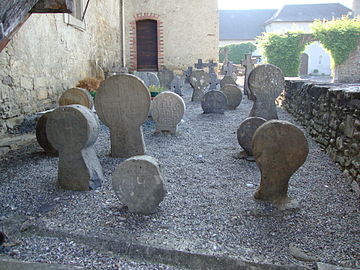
50, 53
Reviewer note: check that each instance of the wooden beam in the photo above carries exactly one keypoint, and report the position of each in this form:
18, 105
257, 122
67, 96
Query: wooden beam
53, 6
13, 13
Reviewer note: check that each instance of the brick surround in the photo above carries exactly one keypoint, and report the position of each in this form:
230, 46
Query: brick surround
160, 36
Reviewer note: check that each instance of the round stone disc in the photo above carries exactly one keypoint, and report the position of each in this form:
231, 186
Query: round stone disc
266, 82
246, 132
76, 96
122, 100
214, 101
138, 184
72, 128
167, 109
41, 136
233, 94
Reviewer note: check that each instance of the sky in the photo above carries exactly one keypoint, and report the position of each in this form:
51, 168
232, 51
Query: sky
272, 4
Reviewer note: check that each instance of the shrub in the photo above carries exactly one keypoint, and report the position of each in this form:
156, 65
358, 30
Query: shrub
284, 50
155, 89
237, 52
340, 37
90, 84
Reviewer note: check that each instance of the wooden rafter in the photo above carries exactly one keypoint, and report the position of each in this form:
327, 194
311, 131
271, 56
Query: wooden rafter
13, 13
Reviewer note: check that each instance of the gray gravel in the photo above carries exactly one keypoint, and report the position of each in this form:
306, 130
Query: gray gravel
209, 207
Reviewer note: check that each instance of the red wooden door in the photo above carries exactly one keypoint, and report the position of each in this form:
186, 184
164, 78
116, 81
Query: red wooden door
147, 45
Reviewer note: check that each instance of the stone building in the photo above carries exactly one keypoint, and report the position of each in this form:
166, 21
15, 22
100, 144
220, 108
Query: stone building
253, 23
50, 53
181, 32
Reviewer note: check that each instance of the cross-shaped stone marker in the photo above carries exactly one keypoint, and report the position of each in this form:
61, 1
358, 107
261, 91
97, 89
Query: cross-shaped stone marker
122, 103
248, 63
200, 64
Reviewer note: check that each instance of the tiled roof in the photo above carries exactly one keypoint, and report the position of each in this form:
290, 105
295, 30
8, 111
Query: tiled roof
243, 24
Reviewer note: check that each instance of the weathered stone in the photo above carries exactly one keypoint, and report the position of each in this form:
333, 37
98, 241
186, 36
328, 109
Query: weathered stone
14, 122
149, 78
248, 63
279, 148
73, 130
166, 76
349, 126
325, 266
301, 255
187, 74
122, 103
227, 80
138, 184
246, 132
199, 80
167, 110
233, 94
76, 96
176, 85
41, 136
213, 81
265, 84
214, 101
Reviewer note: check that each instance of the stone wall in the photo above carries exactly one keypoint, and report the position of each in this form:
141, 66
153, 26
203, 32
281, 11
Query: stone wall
187, 30
48, 56
349, 71
331, 114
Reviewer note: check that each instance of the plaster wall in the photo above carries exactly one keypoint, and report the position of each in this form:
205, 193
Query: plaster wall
47, 56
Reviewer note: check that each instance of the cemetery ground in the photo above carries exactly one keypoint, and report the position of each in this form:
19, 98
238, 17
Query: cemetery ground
208, 219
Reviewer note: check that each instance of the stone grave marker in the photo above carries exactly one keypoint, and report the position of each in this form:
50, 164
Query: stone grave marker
166, 76
279, 148
227, 80
73, 130
265, 83
139, 185
149, 78
226, 61
167, 110
187, 74
233, 95
200, 64
41, 136
214, 101
122, 103
76, 96
176, 85
199, 80
213, 76
231, 70
246, 132
249, 65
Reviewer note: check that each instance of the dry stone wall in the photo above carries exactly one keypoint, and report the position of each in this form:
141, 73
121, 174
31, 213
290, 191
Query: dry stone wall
47, 56
331, 114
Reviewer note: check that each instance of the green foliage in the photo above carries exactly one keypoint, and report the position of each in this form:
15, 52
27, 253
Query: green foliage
340, 37
237, 51
284, 50
156, 89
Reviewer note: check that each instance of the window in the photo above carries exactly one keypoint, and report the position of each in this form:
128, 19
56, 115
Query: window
74, 19
320, 59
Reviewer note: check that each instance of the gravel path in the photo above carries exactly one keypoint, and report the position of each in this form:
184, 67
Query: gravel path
209, 207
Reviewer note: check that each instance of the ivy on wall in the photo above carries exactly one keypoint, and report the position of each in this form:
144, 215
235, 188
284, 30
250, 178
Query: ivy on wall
284, 50
237, 51
340, 37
